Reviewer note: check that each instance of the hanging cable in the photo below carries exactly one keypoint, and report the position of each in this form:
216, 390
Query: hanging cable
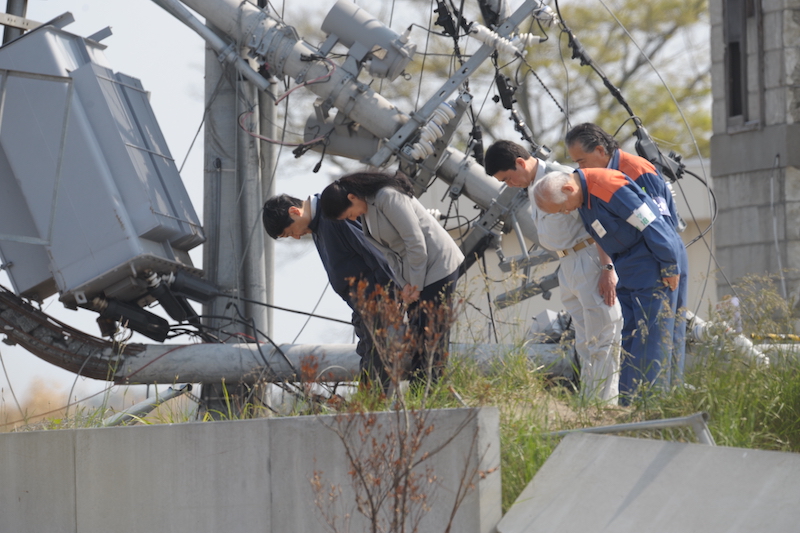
320, 79
670, 166
489, 302
312, 315
714, 208
319, 301
422, 67
246, 114
544, 86
775, 166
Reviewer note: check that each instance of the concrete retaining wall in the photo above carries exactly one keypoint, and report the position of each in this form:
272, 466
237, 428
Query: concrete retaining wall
247, 475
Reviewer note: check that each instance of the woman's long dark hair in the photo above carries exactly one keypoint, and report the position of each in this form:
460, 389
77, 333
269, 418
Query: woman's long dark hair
334, 201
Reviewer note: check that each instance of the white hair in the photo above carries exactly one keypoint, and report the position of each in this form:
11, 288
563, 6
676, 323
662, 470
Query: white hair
547, 189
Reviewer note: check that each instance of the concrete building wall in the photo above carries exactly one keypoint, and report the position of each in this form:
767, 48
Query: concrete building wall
244, 475
755, 156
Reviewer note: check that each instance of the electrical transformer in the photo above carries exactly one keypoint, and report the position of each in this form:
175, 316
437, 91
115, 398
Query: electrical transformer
91, 202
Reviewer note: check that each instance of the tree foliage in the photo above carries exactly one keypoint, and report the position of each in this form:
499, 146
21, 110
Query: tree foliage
674, 58
554, 91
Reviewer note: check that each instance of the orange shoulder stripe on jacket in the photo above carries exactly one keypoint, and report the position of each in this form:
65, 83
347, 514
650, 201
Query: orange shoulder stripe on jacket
603, 182
634, 166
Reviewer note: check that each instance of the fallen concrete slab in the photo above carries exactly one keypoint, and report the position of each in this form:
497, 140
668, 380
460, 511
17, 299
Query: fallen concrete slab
626, 485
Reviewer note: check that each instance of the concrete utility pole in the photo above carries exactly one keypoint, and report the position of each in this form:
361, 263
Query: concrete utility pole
18, 8
266, 109
235, 258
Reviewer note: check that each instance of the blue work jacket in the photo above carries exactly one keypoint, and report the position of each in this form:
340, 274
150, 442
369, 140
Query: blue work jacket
346, 253
625, 221
644, 173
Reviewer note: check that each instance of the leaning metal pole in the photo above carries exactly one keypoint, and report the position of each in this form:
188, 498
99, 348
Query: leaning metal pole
698, 422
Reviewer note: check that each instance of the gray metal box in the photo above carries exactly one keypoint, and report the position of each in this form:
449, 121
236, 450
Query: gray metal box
89, 193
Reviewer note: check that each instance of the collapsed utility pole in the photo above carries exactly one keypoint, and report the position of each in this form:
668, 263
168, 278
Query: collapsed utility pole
244, 39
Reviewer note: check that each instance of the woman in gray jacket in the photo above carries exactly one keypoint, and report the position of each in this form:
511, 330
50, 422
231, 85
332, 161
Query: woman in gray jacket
423, 256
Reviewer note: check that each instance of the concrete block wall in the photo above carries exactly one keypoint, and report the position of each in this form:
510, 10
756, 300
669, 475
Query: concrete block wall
758, 197
718, 89
750, 222
234, 476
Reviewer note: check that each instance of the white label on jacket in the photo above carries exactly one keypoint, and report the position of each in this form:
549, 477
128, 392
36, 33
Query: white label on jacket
599, 229
641, 217
662, 206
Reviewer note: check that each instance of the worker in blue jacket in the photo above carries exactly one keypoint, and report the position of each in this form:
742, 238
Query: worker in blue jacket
347, 256
646, 252
592, 147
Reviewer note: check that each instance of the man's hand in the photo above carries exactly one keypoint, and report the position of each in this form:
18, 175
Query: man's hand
608, 286
671, 282
410, 294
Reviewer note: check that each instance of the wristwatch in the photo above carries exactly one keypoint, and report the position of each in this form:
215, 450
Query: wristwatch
608, 267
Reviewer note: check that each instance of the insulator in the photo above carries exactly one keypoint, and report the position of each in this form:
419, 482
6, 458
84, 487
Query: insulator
153, 280
431, 131
522, 41
444, 113
421, 150
546, 14
490, 38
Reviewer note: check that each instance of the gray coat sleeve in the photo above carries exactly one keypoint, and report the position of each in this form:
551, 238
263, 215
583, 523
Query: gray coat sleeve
399, 211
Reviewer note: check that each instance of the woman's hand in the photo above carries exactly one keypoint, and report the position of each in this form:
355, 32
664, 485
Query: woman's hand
410, 294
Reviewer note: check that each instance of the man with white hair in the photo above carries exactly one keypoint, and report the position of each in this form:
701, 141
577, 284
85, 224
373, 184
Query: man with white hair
585, 275
646, 252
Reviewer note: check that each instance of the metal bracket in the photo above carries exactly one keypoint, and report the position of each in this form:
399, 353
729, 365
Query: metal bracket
6, 19
433, 162
402, 136
228, 55
261, 40
528, 290
517, 262
457, 184
328, 45
284, 52
328, 103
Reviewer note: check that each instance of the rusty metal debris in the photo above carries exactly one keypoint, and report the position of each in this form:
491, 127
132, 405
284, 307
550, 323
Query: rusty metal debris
58, 343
